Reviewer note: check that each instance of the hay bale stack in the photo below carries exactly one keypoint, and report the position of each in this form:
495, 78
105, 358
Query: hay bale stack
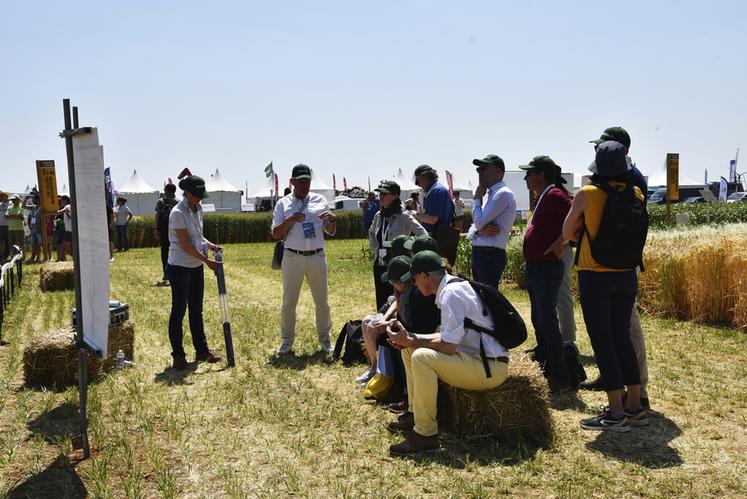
519, 408
52, 361
57, 276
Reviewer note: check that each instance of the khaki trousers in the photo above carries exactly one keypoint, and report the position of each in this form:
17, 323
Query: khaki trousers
424, 367
566, 320
295, 268
639, 345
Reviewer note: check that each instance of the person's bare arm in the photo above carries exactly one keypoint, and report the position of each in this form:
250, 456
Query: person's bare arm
183, 237
572, 223
406, 339
281, 230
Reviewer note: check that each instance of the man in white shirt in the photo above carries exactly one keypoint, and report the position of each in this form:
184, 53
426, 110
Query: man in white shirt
451, 355
301, 218
491, 222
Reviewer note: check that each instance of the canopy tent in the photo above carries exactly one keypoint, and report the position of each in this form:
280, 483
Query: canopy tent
405, 184
223, 195
660, 178
318, 186
141, 197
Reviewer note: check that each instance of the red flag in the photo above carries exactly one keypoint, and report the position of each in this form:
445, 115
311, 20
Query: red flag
345, 183
170, 181
450, 181
334, 182
276, 187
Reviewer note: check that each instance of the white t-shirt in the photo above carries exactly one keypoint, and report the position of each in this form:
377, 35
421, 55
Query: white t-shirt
67, 218
182, 217
122, 212
309, 234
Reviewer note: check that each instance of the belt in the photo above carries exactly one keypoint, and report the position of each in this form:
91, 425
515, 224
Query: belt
305, 253
499, 359
487, 248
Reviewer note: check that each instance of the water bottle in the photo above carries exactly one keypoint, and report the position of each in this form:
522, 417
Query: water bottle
119, 365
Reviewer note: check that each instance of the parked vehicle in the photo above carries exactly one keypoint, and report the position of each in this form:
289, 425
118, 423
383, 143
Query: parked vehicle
686, 191
694, 199
737, 196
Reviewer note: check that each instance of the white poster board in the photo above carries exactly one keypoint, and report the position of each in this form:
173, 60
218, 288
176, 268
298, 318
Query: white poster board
89, 206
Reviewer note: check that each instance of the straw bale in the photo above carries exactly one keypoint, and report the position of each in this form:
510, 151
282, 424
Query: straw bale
52, 360
519, 408
57, 276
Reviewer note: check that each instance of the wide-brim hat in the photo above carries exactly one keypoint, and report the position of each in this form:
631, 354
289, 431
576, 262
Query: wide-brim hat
610, 160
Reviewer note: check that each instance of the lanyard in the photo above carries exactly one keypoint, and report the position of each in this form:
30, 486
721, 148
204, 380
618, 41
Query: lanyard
536, 207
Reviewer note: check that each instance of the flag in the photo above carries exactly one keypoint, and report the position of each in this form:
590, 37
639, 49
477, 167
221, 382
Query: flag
450, 181
269, 171
184, 173
109, 187
345, 183
706, 177
369, 184
276, 185
733, 170
723, 189
334, 183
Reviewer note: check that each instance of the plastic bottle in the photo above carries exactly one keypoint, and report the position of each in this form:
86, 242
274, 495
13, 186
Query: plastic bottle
120, 363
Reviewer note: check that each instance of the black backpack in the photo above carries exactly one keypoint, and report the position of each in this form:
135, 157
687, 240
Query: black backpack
162, 220
351, 339
510, 330
622, 230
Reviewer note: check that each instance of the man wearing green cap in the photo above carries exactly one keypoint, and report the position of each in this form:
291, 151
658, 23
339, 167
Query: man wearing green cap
302, 218
438, 210
491, 222
188, 251
452, 355
388, 223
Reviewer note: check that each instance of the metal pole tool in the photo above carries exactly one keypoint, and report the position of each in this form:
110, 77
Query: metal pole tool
225, 317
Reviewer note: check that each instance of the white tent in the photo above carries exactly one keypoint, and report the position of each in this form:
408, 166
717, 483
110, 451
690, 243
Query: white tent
660, 178
141, 197
223, 195
318, 186
405, 184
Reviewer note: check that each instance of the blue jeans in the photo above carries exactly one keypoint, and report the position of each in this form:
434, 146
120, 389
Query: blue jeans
543, 284
187, 290
488, 264
607, 300
122, 241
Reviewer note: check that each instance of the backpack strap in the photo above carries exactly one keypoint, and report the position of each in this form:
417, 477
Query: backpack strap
339, 343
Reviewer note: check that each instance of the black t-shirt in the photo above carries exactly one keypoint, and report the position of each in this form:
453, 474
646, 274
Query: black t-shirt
421, 313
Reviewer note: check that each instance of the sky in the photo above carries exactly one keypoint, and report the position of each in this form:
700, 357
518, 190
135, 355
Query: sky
362, 88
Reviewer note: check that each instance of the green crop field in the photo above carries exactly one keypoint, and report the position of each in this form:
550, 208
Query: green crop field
300, 427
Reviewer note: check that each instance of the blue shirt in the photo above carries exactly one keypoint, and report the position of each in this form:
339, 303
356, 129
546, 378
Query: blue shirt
369, 211
438, 203
499, 209
638, 179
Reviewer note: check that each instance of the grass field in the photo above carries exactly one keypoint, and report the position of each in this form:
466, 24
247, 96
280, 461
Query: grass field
301, 428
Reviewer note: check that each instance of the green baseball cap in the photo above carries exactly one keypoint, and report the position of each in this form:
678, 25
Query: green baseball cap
421, 243
420, 170
490, 160
396, 246
388, 187
301, 171
616, 133
541, 163
398, 267
425, 261
194, 185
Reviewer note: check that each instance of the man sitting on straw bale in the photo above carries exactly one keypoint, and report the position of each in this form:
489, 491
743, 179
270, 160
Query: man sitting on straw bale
452, 355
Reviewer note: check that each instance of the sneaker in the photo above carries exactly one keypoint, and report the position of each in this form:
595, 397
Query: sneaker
285, 349
111, 258
595, 385
208, 357
405, 422
415, 443
644, 401
637, 418
398, 407
180, 363
366, 376
606, 422
326, 347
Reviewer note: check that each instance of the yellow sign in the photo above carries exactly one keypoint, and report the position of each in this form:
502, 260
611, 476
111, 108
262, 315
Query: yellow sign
673, 177
47, 185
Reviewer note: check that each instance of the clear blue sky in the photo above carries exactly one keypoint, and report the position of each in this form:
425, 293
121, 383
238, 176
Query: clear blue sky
364, 88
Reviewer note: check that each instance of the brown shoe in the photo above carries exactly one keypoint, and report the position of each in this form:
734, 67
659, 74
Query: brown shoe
208, 357
415, 443
180, 363
405, 422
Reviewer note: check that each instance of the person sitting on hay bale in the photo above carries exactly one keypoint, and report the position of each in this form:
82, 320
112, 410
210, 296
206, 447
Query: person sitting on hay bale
452, 355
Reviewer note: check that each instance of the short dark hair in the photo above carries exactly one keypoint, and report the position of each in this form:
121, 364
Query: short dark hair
170, 188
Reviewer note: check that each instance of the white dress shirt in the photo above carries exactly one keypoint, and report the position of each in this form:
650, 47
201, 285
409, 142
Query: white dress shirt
312, 206
500, 209
182, 217
457, 300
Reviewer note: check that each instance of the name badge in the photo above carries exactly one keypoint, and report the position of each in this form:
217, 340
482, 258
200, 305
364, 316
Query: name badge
33, 221
382, 256
308, 230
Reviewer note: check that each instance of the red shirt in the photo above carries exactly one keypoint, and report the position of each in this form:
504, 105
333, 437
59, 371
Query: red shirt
546, 225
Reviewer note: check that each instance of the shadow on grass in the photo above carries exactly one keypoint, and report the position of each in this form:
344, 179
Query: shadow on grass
171, 376
568, 400
59, 422
60, 479
587, 360
299, 362
460, 453
646, 446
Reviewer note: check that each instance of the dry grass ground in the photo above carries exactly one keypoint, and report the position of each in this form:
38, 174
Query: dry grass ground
301, 428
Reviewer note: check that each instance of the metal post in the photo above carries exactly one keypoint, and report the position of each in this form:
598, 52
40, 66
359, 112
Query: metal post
82, 361
75, 117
